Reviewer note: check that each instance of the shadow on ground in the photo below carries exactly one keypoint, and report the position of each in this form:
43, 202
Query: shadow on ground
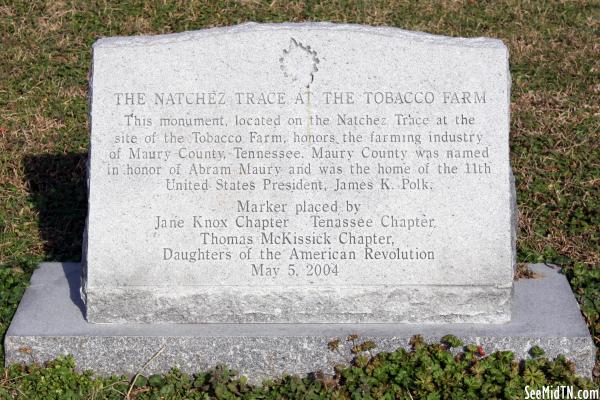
73, 273
57, 187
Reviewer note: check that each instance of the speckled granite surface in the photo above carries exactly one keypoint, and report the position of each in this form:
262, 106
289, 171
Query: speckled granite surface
50, 321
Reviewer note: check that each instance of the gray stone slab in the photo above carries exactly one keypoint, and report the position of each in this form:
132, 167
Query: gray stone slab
50, 322
299, 173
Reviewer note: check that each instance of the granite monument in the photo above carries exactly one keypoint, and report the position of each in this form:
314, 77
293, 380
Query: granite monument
322, 175
255, 191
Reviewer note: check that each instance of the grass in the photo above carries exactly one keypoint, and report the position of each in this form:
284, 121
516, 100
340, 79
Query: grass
555, 141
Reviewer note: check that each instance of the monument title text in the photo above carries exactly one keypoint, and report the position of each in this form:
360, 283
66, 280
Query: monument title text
313, 179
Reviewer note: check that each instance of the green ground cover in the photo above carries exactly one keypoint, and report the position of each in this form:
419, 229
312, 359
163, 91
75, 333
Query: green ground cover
427, 371
555, 133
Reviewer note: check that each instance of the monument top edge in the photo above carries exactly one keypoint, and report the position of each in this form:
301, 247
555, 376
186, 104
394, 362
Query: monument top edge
249, 27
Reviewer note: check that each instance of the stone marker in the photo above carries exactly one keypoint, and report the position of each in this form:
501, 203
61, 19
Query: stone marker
292, 174
299, 173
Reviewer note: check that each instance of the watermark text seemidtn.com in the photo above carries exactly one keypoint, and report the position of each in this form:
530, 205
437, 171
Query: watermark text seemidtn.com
561, 392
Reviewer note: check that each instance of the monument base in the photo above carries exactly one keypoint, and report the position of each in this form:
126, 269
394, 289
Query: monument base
50, 322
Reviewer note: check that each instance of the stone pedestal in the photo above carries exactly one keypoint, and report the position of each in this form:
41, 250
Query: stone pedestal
50, 322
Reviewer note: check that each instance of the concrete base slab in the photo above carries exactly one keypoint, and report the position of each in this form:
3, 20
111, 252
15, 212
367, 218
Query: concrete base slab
50, 322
